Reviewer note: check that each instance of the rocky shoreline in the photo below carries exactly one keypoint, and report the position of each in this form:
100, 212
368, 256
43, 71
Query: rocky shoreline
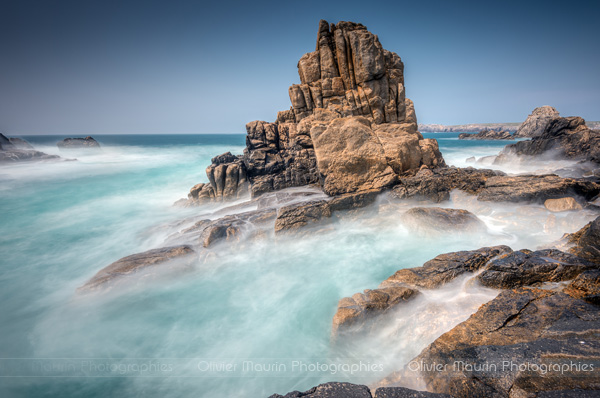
349, 147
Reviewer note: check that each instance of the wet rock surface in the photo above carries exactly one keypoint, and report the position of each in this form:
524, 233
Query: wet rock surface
137, 262
437, 220
330, 390
525, 326
354, 313
585, 243
527, 268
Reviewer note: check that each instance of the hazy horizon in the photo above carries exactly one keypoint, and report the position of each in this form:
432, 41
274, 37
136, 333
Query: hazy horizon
156, 67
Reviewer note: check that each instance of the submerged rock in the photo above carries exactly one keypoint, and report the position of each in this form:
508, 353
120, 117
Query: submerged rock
562, 204
138, 262
437, 220
536, 122
486, 135
87, 142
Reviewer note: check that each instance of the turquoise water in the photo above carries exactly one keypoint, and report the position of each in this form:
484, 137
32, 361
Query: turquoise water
271, 302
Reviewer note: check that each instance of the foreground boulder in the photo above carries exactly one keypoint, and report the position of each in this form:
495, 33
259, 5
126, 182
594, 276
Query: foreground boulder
130, 265
350, 128
87, 142
525, 343
537, 122
486, 135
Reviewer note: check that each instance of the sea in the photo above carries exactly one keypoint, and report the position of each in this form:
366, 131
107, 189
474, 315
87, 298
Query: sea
251, 322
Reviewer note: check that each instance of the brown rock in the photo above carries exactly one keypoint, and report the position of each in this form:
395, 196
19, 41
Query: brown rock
436, 220
137, 262
562, 204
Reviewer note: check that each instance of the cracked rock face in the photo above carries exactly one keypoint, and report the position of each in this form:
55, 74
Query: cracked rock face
523, 326
350, 128
536, 122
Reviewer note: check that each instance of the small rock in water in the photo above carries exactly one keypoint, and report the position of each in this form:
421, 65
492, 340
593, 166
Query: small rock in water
562, 204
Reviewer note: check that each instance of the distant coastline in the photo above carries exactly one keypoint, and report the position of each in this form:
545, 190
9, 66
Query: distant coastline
476, 127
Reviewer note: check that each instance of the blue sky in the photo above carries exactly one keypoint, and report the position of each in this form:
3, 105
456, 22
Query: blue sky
91, 67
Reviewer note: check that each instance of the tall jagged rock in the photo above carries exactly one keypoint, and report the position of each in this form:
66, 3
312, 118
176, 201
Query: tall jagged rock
350, 127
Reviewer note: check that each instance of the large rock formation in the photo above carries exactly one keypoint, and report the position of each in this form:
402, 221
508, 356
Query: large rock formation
350, 128
536, 122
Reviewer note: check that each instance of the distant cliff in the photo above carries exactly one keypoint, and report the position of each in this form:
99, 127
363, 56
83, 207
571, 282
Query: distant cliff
477, 127
474, 127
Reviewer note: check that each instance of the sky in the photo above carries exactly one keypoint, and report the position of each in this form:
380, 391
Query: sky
128, 67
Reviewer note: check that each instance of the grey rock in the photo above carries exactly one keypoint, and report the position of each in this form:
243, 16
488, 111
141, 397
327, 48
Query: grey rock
440, 221
536, 122
331, 390
87, 142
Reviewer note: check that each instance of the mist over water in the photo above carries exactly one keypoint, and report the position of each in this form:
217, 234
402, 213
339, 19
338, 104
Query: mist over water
267, 301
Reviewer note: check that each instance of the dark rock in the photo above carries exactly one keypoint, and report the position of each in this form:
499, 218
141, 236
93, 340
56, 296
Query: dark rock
537, 122
331, 390
526, 268
87, 142
20, 143
17, 150
355, 312
293, 217
137, 262
586, 286
446, 267
436, 220
20, 155
486, 135
524, 327
535, 188
401, 392
435, 185
586, 241
564, 137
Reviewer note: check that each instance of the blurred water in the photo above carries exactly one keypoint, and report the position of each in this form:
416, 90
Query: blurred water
271, 302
